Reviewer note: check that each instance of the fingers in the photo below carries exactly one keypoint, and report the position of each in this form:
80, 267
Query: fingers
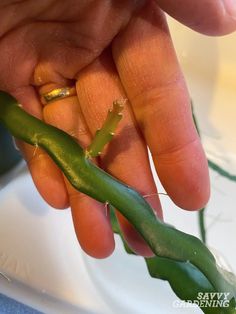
209, 17
90, 218
126, 156
150, 73
45, 174
92, 224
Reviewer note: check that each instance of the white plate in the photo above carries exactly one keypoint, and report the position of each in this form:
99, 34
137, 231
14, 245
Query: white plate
38, 249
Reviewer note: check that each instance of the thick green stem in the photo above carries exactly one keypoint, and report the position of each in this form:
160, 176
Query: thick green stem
186, 281
164, 240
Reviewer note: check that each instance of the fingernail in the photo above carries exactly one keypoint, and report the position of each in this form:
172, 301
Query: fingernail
230, 6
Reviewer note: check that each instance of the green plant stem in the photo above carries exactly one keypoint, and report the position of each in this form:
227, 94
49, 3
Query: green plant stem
185, 279
106, 133
221, 171
201, 221
164, 240
201, 213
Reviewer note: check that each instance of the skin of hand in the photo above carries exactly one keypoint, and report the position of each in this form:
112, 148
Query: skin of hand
110, 50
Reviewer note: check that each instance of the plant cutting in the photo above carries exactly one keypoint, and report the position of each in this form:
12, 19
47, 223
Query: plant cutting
182, 259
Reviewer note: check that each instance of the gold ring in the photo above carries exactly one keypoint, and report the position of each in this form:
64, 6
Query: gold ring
57, 94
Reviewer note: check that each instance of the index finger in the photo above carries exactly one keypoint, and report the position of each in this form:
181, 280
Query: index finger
150, 73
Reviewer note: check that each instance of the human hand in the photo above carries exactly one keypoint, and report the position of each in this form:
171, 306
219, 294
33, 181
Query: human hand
112, 50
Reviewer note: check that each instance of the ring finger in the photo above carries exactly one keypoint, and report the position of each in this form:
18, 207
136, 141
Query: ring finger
91, 223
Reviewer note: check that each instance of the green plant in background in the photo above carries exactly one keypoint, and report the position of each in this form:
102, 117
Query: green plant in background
182, 259
201, 214
221, 172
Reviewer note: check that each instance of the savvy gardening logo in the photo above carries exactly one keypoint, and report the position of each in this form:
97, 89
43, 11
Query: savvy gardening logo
206, 299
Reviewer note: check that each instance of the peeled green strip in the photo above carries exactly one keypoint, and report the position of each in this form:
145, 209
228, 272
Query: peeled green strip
164, 240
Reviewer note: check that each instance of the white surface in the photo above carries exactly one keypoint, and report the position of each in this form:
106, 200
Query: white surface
38, 248
47, 270
209, 65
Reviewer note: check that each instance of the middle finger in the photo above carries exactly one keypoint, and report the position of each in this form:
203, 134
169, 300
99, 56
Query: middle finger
125, 156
